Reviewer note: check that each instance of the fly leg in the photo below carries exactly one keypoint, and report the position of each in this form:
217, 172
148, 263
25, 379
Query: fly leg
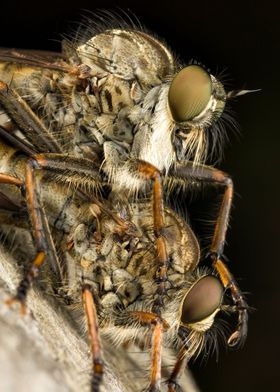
7, 133
10, 180
70, 169
150, 172
80, 172
61, 165
239, 335
180, 365
43, 241
214, 176
94, 339
27, 121
42, 244
148, 318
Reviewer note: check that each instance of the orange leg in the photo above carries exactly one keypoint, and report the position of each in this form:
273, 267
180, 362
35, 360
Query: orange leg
11, 180
93, 338
156, 358
178, 368
239, 335
26, 282
86, 170
150, 172
43, 241
65, 166
39, 259
160, 325
211, 175
5, 201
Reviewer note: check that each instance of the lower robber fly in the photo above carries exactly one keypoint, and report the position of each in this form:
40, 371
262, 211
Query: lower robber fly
115, 115
101, 262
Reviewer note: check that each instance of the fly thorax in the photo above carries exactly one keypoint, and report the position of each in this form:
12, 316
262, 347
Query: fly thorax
117, 127
127, 54
116, 93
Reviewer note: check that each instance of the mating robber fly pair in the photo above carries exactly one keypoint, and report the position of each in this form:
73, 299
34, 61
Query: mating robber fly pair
91, 142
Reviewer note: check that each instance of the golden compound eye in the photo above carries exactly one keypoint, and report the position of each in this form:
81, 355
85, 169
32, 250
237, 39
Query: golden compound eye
189, 93
202, 300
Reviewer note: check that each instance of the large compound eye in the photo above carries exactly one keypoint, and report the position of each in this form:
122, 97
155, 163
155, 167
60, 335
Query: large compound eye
202, 300
189, 93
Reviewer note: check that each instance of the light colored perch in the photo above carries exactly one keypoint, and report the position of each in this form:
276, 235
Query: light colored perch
42, 351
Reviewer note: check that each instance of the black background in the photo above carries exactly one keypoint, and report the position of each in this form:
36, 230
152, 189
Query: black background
244, 40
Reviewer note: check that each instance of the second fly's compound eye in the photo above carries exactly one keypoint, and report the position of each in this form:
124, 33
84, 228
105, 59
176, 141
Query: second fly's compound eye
189, 93
202, 300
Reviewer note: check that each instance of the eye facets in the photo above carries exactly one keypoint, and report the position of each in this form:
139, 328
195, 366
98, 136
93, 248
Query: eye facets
202, 300
189, 93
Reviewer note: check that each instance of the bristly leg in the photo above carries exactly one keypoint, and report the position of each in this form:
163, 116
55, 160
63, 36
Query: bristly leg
240, 334
41, 234
148, 318
24, 284
10, 180
69, 169
212, 175
179, 367
148, 171
21, 113
156, 357
94, 339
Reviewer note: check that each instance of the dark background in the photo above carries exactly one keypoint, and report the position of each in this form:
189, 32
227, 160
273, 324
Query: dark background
244, 40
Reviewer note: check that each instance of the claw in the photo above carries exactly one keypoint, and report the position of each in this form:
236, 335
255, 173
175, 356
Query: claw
238, 337
11, 301
172, 386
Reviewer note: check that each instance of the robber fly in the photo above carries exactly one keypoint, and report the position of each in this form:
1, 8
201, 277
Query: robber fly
115, 111
119, 268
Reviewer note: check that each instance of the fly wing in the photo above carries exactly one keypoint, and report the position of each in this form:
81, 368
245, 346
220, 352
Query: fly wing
13, 137
7, 204
33, 58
